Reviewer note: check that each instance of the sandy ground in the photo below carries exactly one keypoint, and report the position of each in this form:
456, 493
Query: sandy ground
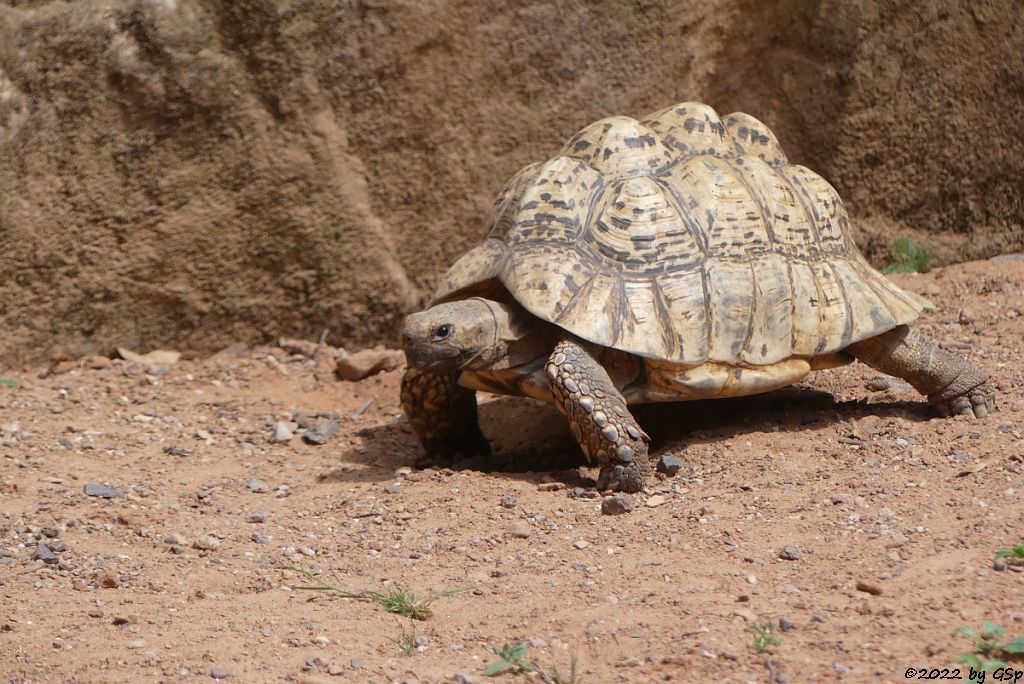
182, 576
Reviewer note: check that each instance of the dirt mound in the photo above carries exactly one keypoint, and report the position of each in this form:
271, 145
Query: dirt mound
177, 173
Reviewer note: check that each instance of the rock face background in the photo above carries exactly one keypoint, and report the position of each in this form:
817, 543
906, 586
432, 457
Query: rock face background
190, 173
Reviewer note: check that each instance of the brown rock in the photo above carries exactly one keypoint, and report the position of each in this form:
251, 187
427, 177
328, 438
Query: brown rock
367, 362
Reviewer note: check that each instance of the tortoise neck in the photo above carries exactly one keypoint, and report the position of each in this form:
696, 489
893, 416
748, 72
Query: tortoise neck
520, 337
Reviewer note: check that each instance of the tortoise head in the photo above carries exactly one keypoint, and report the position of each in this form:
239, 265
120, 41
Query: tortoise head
453, 336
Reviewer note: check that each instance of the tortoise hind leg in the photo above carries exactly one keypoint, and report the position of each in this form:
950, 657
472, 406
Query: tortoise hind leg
598, 417
443, 414
950, 383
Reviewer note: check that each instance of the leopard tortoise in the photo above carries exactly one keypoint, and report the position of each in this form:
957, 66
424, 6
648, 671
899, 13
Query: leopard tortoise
677, 257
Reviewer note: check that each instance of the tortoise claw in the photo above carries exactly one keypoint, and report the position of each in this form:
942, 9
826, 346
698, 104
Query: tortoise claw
977, 403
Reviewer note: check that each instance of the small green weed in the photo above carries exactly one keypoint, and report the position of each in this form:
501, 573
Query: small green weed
1012, 556
991, 650
406, 643
7, 382
399, 600
764, 635
511, 657
908, 257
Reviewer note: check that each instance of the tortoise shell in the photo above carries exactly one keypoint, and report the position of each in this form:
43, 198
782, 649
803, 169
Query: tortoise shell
684, 237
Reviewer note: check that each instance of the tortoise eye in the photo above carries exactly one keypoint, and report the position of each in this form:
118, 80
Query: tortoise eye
442, 331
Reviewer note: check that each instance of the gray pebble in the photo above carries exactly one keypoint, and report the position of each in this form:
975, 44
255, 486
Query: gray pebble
999, 566
260, 538
509, 501
175, 538
220, 672
670, 465
257, 486
819, 618
460, 678
256, 516
789, 553
207, 543
101, 491
44, 554
58, 545
583, 493
393, 488
282, 433
785, 625
617, 504
840, 668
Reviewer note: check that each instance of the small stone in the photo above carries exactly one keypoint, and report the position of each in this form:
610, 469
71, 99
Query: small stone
136, 643
520, 530
509, 501
101, 491
321, 641
58, 546
335, 668
617, 504
362, 364
819, 618
840, 668
260, 538
789, 553
44, 554
999, 566
207, 543
785, 625
868, 588
404, 471
965, 317
655, 501
550, 486
393, 488
282, 433
322, 432
175, 538
583, 493
670, 465
220, 672
256, 516
582, 544
460, 678
257, 486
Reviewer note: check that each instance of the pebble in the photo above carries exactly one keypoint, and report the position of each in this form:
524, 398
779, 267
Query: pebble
785, 625
840, 668
655, 501
789, 553
509, 501
321, 641
322, 432
460, 678
583, 493
58, 545
282, 433
101, 491
367, 362
617, 504
393, 488
581, 544
550, 486
869, 588
207, 543
256, 516
44, 554
670, 465
220, 672
520, 530
136, 643
404, 471
257, 486
175, 538
260, 538
335, 668
999, 566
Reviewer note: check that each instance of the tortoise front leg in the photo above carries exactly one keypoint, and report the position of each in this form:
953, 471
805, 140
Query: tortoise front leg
443, 414
598, 417
951, 384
